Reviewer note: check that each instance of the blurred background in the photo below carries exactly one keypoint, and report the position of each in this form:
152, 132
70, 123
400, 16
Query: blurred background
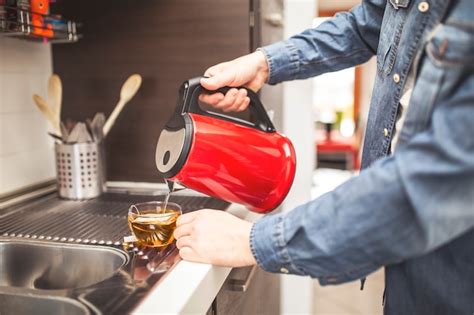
330, 120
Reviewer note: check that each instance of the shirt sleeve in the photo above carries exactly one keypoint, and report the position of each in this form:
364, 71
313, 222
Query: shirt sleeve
347, 39
403, 206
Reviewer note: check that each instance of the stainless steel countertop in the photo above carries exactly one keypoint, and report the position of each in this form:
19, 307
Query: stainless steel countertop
98, 224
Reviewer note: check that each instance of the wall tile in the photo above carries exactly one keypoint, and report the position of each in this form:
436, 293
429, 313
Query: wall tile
21, 56
2, 59
26, 152
26, 168
2, 89
16, 133
16, 93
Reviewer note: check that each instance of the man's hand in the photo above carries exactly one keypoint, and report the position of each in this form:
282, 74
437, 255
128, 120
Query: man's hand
250, 71
214, 237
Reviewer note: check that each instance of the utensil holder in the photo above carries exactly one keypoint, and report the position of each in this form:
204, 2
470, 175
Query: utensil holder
80, 170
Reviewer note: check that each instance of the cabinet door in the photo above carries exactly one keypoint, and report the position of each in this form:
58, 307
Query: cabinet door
259, 294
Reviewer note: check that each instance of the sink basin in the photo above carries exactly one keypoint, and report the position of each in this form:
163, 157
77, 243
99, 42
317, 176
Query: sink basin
30, 304
49, 266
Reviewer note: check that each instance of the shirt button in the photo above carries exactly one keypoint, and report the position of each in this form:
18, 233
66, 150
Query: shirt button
284, 270
423, 6
396, 78
385, 132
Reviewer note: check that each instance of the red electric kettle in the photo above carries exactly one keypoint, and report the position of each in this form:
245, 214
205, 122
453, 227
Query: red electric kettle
229, 158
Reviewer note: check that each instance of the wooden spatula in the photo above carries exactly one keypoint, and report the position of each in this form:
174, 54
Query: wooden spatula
47, 112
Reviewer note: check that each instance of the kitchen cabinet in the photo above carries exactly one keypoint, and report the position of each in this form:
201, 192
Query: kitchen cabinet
248, 290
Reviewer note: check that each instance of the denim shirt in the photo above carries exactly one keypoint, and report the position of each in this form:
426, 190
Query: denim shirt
411, 211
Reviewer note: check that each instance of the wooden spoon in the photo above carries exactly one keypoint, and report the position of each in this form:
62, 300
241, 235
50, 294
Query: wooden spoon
55, 94
47, 112
129, 89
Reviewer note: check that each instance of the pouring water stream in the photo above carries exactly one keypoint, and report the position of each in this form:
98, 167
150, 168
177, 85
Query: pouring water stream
170, 185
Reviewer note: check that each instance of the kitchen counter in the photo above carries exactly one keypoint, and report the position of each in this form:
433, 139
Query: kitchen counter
190, 287
185, 287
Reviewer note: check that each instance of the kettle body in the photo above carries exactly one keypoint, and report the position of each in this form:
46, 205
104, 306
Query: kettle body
225, 157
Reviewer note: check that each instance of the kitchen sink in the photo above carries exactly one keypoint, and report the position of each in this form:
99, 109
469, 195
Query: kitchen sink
56, 266
64, 257
19, 304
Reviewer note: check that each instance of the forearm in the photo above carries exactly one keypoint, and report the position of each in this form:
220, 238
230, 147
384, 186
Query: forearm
366, 223
348, 39
344, 234
403, 206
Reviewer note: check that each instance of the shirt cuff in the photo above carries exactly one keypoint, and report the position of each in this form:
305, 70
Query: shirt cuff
283, 61
269, 247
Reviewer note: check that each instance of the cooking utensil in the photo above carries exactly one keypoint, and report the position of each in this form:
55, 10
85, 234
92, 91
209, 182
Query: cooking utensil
98, 126
84, 135
47, 112
129, 89
240, 161
64, 132
89, 129
75, 134
55, 136
55, 93
69, 123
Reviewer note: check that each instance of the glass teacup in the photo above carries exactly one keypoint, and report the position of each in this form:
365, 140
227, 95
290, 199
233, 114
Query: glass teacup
152, 224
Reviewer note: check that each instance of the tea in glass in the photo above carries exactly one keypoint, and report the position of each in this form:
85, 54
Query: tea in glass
152, 224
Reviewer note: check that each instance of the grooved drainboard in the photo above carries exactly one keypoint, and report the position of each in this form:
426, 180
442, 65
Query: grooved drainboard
97, 221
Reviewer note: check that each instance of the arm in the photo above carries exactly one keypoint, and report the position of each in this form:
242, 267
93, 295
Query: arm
348, 39
403, 206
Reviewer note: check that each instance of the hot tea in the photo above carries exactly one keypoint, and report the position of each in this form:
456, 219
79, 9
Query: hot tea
152, 224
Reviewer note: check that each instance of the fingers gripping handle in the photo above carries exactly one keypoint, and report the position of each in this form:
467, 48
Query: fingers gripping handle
191, 105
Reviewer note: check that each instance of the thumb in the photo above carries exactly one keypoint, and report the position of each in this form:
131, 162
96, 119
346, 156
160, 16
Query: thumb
213, 83
220, 79
186, 218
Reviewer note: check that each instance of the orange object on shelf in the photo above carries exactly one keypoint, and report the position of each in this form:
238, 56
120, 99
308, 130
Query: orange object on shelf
37, 22
38, 9
39, 6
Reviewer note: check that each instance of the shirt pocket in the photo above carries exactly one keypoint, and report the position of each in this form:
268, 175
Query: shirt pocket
452, 45
448, 58
391, 31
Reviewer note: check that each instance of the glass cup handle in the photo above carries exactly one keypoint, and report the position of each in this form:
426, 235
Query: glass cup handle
134, 209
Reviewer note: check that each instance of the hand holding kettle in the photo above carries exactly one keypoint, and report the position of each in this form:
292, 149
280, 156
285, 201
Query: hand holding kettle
250, 71
245, 161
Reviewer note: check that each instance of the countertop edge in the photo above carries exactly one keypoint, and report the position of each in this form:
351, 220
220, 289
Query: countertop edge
203, 282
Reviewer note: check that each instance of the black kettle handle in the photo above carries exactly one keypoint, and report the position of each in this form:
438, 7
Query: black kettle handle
193, 88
